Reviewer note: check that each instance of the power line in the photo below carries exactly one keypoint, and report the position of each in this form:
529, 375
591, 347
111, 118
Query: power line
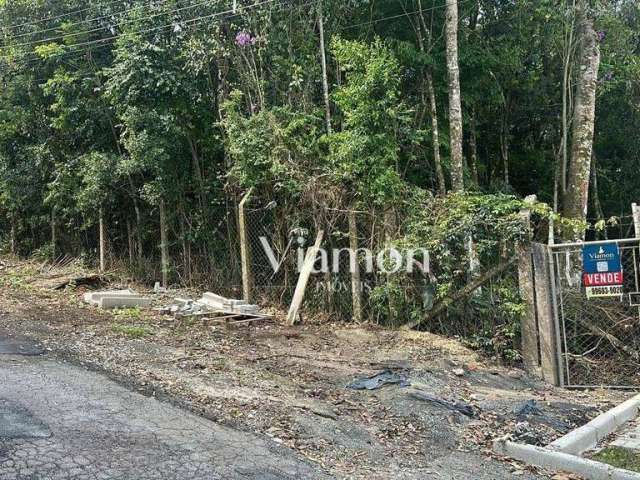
63, 15
106, 42
190, 21
97, 29
86, 20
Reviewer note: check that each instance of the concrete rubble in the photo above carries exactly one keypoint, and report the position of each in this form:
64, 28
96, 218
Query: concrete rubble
210, 303
117, 299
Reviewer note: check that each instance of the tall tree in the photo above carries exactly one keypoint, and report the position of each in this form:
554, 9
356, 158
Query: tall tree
577, 193
455, 109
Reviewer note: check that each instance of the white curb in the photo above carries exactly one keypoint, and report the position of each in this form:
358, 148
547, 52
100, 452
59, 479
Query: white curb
587, 436
554, 460
562, 454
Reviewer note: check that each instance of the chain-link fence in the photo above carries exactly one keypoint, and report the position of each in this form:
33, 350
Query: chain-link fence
278, 237
599, 336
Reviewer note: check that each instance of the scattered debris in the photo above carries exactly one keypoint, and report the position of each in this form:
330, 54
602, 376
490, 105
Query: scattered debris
116, 299
85, 281
530, 407
385, 377
458, 406
224, 304
215, 308
458, 372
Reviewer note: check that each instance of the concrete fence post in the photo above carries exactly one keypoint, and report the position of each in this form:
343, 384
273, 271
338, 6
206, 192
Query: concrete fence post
245, 250
635, 210
356, 290
529, 327
545, 314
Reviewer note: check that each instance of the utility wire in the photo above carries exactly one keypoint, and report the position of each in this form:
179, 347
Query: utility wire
176, 24
98, 29
63, 15
107, 41
80, 22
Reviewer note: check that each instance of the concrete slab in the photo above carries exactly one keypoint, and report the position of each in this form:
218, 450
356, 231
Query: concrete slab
125, 301
95, 297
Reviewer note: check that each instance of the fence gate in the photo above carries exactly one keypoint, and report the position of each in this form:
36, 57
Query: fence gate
598, 337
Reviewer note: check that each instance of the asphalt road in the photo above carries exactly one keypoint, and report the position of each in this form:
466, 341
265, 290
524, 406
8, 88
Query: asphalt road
60, 421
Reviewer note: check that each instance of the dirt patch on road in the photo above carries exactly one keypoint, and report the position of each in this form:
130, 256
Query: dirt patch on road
290, 383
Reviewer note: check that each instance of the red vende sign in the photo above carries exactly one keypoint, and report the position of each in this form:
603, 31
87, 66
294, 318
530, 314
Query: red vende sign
601, 279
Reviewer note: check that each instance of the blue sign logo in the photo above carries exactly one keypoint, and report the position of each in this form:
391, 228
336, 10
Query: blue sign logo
601, 258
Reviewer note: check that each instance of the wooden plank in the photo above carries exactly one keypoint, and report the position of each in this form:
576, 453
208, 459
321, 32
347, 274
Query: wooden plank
545, 314
303, 279
528, 327
245, 250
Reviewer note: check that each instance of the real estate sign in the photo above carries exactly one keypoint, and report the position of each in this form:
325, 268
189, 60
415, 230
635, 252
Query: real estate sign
602, 270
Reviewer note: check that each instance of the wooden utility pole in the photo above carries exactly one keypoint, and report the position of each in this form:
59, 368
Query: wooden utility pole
356, 289
455, 108
245, 250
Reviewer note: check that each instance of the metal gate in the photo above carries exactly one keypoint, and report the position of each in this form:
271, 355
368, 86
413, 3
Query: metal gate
599, 338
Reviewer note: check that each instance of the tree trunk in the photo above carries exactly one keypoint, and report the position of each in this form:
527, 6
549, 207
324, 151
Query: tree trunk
473, 151
566, 74
325, 80
164, 246
136, 208
597, 206
435, 135
54, 236
577, 195
197, 172
130, 242
103, 238
455, 109
13, 236
504, 151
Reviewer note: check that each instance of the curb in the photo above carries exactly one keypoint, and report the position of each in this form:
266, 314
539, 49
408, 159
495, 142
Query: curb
554, 460
562, 454
588, 436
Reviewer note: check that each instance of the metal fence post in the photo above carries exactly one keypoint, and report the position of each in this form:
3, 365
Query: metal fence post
245, 250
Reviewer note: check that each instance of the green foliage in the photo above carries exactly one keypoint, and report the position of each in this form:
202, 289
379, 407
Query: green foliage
131, 331
363, 157
274, 149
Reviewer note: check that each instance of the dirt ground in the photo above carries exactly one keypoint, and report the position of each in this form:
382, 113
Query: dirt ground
289, 383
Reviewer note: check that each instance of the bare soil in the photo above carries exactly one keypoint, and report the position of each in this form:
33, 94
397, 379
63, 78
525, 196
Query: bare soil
290, 382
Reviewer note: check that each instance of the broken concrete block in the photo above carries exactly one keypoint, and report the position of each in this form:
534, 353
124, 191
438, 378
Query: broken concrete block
181, 302
220, 300
124, 301
251, 309
95, 297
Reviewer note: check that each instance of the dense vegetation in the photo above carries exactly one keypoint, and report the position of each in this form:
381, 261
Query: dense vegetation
147, 113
